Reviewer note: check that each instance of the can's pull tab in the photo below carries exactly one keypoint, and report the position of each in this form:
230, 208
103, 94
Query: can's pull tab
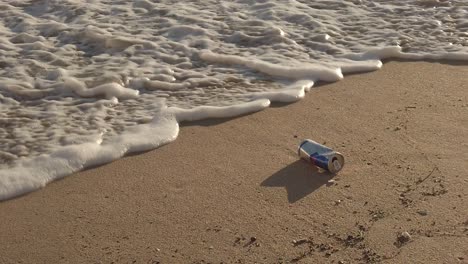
337, 165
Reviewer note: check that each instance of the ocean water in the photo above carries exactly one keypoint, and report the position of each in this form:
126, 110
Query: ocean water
84, 82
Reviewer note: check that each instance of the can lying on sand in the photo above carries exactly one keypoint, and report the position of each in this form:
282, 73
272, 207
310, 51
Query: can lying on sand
321, 156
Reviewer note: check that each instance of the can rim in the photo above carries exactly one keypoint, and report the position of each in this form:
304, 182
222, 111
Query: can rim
300, 146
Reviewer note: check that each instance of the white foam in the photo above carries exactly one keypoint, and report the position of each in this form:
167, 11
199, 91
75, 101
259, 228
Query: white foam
301, 71
109, 90
34, 173
377, 54
205, 112
291, 93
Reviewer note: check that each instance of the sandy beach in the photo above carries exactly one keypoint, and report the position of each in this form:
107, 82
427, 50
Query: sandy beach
234, 190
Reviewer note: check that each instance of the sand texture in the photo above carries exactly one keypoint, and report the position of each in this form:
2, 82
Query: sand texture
234, 191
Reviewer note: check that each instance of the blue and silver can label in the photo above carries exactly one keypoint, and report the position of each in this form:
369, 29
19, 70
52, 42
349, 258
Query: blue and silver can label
321, 156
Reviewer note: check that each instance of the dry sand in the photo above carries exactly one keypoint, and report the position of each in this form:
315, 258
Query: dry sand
233, 191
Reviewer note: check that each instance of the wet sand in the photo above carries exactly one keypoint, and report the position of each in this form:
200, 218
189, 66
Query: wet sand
234, 191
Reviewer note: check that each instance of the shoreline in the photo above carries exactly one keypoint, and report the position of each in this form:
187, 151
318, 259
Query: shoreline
201, 117
242, 194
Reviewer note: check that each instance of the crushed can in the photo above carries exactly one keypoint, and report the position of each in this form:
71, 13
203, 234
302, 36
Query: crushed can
321, 156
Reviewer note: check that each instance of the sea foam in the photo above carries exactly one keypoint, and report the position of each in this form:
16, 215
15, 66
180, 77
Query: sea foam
83, 83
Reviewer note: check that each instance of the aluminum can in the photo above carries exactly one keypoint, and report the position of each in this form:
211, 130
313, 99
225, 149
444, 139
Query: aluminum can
321, 156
